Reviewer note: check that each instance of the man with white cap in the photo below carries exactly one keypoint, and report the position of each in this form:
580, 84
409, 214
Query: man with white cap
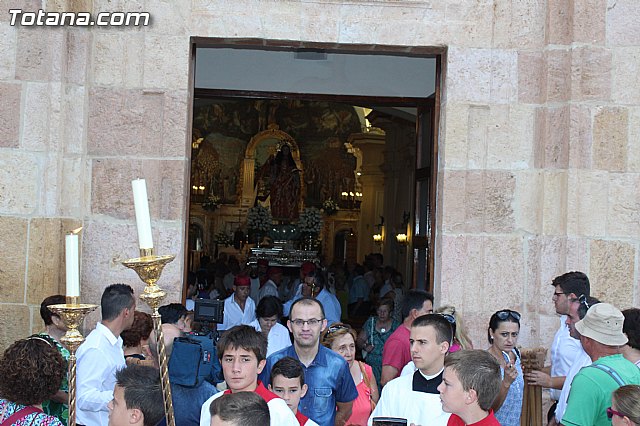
601, 337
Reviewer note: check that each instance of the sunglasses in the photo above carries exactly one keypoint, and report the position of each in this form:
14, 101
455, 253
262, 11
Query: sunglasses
506, 313
611, 412
448, 317
335, 328
583, 301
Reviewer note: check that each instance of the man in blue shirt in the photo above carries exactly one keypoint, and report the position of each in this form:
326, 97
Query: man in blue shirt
325, 372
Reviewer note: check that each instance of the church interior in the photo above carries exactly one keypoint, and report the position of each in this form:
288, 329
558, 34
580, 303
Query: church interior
346, 193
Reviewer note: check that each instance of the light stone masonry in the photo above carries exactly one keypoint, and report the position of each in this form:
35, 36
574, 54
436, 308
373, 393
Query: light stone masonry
539, 142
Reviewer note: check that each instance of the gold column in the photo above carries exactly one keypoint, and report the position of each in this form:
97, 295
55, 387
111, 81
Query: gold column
72, 314
149, 268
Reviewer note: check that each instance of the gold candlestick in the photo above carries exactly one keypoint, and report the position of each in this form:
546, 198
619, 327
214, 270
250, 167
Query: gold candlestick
149, 268
72, 314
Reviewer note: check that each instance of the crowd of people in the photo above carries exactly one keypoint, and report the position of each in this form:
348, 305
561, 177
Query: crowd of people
295, 355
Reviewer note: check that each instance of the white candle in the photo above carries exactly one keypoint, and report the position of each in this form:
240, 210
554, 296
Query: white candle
143, 220
73, 269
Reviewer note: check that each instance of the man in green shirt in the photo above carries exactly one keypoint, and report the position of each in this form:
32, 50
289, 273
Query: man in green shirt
601, 337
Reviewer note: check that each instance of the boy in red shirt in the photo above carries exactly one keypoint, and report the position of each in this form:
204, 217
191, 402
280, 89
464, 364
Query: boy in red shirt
242, 351
470, 382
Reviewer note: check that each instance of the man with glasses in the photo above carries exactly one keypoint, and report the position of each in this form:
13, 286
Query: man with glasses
568, 288
601, 337
325, 372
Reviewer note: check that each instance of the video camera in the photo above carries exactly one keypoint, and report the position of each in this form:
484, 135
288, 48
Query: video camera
208, 311
194, 357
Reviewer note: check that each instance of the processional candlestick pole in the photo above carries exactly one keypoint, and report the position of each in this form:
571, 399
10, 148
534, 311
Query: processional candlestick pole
72, 314
149, 268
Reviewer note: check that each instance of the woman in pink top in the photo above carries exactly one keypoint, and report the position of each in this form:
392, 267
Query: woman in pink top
341, 338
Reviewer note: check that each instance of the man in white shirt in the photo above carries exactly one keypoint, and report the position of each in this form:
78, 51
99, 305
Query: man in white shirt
568, 288
101, 355
239, 308
416, 397
270, 287
258, 276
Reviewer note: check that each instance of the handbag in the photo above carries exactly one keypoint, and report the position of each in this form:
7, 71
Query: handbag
367, 382
19, 415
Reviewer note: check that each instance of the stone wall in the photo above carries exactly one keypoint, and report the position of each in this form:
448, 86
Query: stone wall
539, 162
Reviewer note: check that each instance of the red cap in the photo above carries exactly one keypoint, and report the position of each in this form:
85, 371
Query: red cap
241, 280
307, 267
263, 262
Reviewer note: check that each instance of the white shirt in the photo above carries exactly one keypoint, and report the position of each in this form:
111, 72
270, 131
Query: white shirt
386, 288
99, 357
564, 351
410, 368
278, 337
310, 422
268, 289
581, 360
234, 315
255, 289
280, 414
398, 399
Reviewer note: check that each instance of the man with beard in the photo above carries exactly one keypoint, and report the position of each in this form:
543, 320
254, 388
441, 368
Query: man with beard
567, 289
101, 355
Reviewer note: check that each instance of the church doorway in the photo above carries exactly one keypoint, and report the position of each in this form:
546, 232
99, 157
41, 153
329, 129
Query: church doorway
301, 149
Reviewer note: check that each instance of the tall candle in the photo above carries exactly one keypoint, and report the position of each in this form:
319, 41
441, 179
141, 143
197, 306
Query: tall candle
73, 269
143, 220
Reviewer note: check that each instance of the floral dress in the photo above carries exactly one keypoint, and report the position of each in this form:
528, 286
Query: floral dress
511, 409
39, 418
377, 339
53, 408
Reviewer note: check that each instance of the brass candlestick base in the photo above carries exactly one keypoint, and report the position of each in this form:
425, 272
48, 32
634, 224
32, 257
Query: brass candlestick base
72, 314
149, 268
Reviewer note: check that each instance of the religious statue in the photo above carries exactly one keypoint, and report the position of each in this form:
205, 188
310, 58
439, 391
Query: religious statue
284, 185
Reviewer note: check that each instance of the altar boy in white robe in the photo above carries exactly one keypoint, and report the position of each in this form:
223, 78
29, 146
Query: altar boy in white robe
415, 397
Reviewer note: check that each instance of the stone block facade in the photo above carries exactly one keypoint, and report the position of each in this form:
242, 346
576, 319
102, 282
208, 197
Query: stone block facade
539, 150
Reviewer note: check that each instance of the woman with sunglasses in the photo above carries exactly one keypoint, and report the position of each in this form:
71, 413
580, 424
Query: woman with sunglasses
461, 339
625, 406
504, 327
341, 338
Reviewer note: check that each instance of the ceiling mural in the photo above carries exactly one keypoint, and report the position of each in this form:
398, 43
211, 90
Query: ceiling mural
222, 129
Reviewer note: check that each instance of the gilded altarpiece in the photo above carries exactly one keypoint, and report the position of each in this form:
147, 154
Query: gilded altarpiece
233, 141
